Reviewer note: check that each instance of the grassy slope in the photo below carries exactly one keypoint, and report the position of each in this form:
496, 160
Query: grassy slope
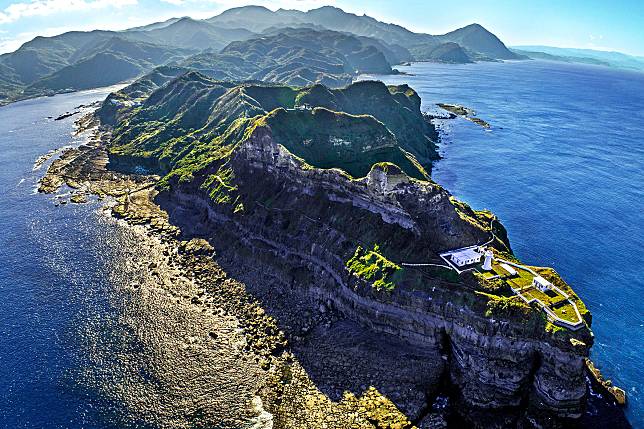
329, 139
190, 127
177, 124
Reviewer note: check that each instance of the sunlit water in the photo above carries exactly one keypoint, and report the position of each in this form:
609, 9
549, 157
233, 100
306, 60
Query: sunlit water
58, 268
90, 338
563, 167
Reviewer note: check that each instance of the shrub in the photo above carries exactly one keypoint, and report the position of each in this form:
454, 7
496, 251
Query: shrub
371, 266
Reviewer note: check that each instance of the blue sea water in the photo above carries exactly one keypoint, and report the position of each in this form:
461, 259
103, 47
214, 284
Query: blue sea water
54, 268
563, 168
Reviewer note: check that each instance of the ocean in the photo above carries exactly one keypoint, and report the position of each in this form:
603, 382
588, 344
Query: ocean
563, 167
60, 268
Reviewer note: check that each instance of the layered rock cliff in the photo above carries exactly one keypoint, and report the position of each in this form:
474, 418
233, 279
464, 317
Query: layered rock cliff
289, 207
298, 218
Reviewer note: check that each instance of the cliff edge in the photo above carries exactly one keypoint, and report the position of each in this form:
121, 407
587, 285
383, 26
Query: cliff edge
321, 200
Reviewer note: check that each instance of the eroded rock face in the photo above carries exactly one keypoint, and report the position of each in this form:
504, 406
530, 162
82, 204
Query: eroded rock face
301, 225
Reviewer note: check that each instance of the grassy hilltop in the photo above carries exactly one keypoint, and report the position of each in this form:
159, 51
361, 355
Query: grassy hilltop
180, 127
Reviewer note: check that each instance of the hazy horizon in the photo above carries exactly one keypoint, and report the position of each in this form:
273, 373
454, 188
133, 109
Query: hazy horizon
587, 25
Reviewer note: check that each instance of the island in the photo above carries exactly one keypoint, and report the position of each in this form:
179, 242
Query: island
464, 112
308, 215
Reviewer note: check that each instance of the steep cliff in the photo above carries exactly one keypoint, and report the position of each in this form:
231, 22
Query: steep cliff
322, 209
315, 220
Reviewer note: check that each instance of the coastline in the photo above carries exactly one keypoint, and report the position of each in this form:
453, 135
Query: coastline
186, 272
131, 198
114, 87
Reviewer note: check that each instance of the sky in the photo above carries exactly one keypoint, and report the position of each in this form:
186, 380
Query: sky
594, 24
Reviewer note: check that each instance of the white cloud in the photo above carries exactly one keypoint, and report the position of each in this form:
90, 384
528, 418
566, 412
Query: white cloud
16, 11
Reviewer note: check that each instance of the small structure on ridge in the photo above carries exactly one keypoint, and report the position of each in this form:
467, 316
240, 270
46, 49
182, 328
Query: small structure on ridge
511, 271
466, 257
541, 283
487, 264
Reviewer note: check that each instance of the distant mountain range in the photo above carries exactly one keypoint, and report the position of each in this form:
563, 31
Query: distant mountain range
583, 56
247, 43
296, 57
474, 39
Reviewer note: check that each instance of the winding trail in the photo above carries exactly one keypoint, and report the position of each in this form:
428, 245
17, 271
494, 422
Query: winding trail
409, 264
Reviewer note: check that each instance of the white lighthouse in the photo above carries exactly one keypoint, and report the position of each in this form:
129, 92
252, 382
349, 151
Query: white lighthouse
487, 264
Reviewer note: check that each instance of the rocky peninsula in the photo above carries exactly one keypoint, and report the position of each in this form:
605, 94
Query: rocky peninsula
464, 112
304, 228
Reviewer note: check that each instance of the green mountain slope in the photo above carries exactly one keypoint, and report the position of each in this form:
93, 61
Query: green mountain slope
477, 39
398, 107
102, 69
182, 126
473, 38
78, 61
331, 139
448, 52
47, 65
324, 45
294, 56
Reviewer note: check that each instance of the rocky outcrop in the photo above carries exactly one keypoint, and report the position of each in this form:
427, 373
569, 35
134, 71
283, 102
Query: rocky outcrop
303, 224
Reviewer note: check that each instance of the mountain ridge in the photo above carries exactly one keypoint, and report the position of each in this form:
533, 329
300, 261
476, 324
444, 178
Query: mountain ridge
614, 59
38, 66
336, 19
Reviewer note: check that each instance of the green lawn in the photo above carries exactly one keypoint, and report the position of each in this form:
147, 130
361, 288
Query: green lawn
566, 312
523, 283
522, 279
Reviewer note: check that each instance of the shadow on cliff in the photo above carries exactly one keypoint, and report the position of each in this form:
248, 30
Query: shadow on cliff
340, 355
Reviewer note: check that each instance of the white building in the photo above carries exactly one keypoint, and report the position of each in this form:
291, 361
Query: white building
541, 283
465, 257
489, 256
509, 269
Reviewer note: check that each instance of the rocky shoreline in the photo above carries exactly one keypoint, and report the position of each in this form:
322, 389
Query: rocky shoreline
271, 387
310, 362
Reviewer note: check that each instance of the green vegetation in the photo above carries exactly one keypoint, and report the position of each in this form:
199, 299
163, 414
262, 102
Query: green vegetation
480, 218
327, 139
181, 128
398, 107
512, 308
449, 52
552, 276
371, 266
77, 60
522, 282
497, 286
298, 57
221, 188
326, 45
